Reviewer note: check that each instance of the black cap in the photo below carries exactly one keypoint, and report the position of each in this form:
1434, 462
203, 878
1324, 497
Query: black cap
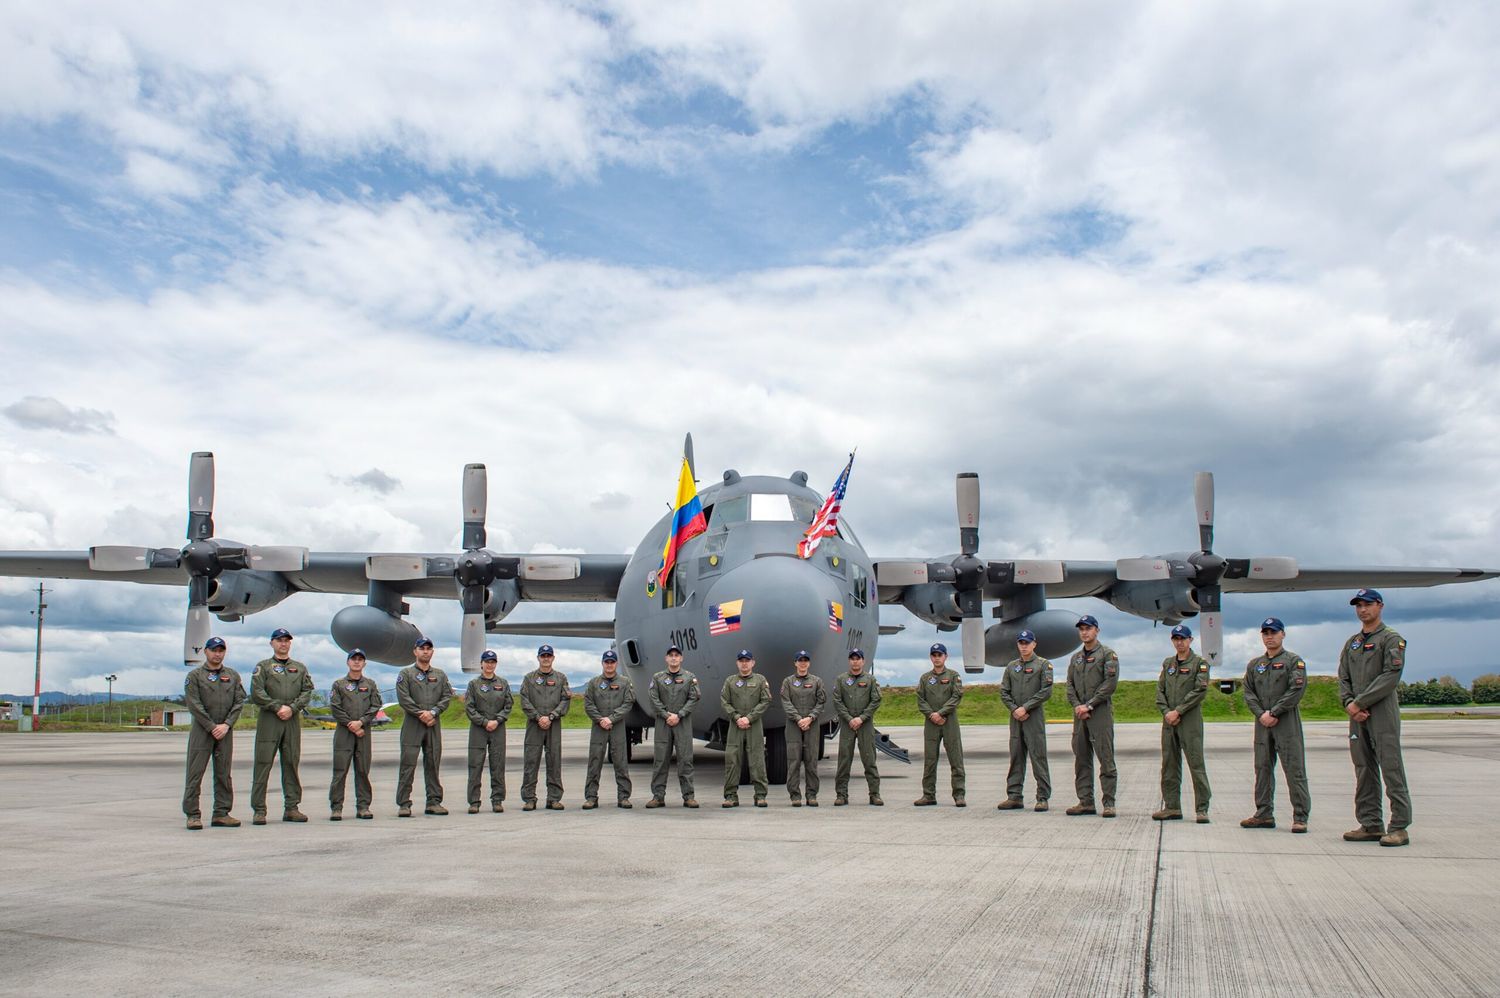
489, 656
356, 653
1272, 624
1087, 620
545, 650
1368, 596
280, 632
856, 653
423, 641
673, 647
609, 656
214, 643
743, 655
802, 656
938, 648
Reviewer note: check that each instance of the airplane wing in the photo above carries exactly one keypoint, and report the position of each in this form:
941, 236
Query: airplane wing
558, 628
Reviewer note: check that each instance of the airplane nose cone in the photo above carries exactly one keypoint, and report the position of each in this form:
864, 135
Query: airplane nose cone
785, 611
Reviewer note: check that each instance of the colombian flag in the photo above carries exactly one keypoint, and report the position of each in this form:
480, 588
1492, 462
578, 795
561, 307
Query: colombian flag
687, 523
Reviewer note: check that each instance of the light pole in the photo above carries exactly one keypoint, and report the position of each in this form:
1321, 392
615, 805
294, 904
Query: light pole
36, 696
110, 679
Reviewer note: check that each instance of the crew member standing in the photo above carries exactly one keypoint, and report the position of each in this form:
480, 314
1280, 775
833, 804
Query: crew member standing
674, 697
1179, 696
856, 698
745, 698
1370, 667
354, 701
1025, 689
214, 697
1274, 684
939, 692
1093, 675
607, 700
423, 691
545, 698
487, 702
803, 698
282, 688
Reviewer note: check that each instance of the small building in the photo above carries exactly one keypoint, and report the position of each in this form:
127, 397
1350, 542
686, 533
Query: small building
169, 718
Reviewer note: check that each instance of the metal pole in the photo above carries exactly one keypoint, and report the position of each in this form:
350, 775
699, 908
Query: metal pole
36, 695
110, 679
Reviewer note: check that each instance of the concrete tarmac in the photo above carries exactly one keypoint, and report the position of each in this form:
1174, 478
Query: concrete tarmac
102, 890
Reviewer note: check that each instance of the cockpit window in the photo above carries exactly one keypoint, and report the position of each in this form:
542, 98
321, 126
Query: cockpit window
764, 507
847, 532
761, 507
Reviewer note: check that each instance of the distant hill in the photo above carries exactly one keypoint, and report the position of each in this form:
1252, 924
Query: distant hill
51, 698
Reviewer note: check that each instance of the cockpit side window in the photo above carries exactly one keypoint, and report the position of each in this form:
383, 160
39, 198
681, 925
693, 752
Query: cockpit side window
859, 585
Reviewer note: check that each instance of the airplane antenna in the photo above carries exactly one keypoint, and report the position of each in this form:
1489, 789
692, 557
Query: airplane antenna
687, 453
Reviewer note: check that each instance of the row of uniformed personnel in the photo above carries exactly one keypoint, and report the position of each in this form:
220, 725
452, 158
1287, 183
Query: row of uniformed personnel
1369, 668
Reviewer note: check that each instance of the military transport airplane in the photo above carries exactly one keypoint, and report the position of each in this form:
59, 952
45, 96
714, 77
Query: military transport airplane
739, 584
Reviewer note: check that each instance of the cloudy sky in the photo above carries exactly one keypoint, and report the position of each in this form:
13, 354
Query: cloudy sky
1083, 248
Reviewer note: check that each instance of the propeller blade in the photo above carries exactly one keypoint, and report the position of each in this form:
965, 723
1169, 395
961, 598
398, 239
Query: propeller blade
195, 634
395, 567
114, 558
476, 501
1203, 498
900, 573
687, 452
1273, 568
973, 644
200, 496
278, 559
967, 487
1142, 569
1211, 630
551, 568
471, 642
1037, 573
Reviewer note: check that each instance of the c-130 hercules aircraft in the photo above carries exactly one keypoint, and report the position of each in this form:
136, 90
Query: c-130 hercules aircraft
739, 584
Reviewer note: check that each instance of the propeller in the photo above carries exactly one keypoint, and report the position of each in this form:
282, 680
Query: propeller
1206, 570
204, 557
968, 573
475, 569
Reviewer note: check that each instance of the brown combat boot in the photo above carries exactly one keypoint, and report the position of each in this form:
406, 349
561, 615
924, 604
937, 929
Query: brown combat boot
590, 803
760, 802
1202, 818
364, 813
259, 818
292, 814
1041, 805
924, 801
796, 802
195, 824
556, 805
1395, 837
1254, 822
405, 812
1299, 828
875, 801
336, 814
436, 809
730, 802
625, 803
840, 801
691, 802
655, 802
812, 802
960, 802
1081, 808
1364, 835
529, 806
473, 808
225, 821
1108, 812
1166, 814
497, 807
1010, 804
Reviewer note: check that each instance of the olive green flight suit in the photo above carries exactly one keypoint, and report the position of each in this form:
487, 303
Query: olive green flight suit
802, 696
213, 697
352, 700
940, 693
1369, 668
1028, 684
673, 693
417, 691
1275, 684
611, 698
856, 696
543, 694
485, 700
1092, 679
1182, 687
276, 683
748, 697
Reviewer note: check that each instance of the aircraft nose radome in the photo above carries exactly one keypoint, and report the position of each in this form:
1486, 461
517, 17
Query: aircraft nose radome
785, 610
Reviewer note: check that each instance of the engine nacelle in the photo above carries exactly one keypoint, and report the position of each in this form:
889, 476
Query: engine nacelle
236, 595
1166, 601
384, 638
1056, 635
934, 602
502, 596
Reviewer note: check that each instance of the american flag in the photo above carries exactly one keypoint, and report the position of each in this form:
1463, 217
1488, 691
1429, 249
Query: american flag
826, 522
725, 617
835, 616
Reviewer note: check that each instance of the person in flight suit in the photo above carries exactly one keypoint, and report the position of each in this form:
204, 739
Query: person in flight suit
487, 702
423, 691
674, 696
1274, 684
1093, 675
214, 697
1025, 689
1370, 665
745, 698
545, 698
856, 698
938, 694
607, 700
282, 688
354, 701
803, 698
1179, 696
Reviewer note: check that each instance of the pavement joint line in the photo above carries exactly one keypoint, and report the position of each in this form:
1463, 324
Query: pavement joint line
1161, 832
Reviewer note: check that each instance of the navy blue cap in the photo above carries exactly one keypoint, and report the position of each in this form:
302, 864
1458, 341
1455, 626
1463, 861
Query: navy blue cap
1182, 631
744, 654
1272, 624
802, 656
1086, 621
674, 647
545, 650
422, 642
856, 653
1368, 596
214, 643
610, 656
1025, 637
356, 653
938, 648
489, 656
282, 632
